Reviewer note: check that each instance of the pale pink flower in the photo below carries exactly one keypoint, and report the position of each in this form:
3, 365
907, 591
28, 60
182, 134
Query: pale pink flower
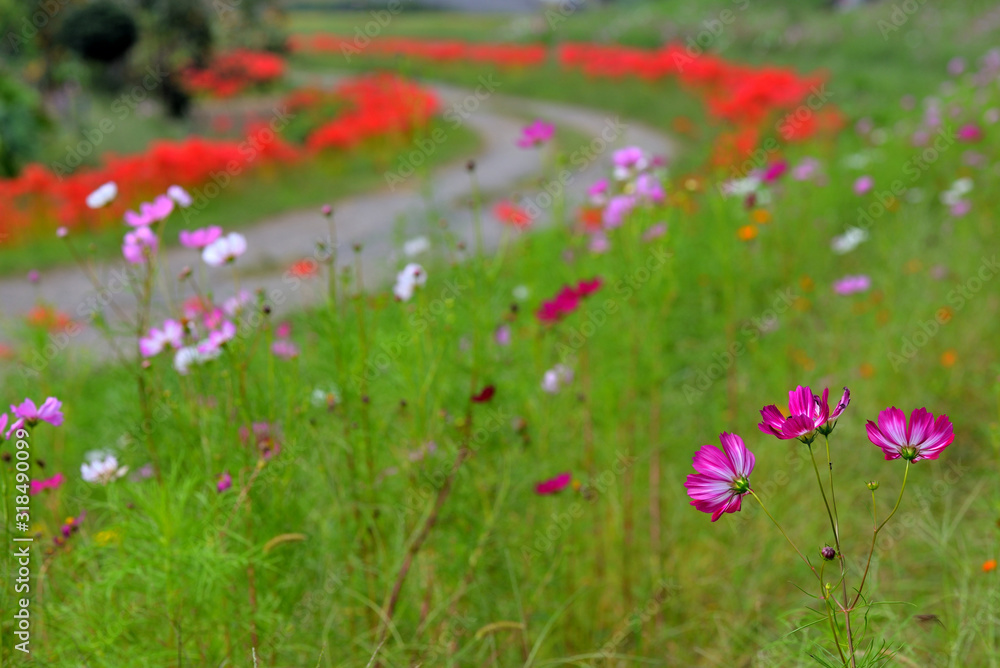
140, 245
50, 411
200, 238
171, 334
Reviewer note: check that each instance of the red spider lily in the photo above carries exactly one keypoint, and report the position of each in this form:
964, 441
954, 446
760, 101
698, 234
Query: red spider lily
233, 72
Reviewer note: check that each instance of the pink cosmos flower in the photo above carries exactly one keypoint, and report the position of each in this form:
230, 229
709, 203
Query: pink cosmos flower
554, 485
850, 285
150, 212
808, 413
140, 245
264, 436
598, 193
922, 438
567, 300
627, 159
598, 244
217, 338
970, 133
283, 330
960, 208
171, 334
806, 169
648, 186
536, 134
224, 482
863, 185
14, 427
50, 411
722, 478
502, 335
200, 238
655, 232
617, 209
775, 171
3, 424
284, 349
38, 486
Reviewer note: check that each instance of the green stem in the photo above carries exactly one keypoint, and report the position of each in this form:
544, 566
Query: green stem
833, 524
877, 529
775, 522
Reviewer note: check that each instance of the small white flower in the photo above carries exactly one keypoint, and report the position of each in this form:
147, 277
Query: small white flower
416, 246
102, 468
741, 187
849, 240
189, 355
521, 293
103, 195
224, 249
556, 377
857, 161
412, 276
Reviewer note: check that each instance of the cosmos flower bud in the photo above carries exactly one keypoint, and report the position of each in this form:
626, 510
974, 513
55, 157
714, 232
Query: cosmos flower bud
327, 210
185, 273
828, 553
872, 485
470, 165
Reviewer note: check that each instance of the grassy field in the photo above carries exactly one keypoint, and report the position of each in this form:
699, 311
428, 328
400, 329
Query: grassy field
387, 519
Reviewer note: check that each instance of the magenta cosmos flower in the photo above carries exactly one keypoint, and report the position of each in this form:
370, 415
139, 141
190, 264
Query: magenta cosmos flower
150, 212
200, 238
807, 413
922, 438
722, 478
536, 134
554, 485
50, 411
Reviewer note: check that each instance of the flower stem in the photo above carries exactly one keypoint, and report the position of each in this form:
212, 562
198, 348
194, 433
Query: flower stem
775, 522
877, 528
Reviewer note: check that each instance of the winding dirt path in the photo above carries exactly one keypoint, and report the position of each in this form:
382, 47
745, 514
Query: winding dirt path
372, 219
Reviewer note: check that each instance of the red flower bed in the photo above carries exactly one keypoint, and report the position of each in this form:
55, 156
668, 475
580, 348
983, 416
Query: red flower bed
38, 201
744, 98
233, 72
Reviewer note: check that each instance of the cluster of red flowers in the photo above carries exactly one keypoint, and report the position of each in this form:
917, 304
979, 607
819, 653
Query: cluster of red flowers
434, 51
38, 200
233, 72
745, 98
376, 106
567, 300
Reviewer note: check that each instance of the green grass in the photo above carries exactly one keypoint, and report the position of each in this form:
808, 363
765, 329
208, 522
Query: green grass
266, 192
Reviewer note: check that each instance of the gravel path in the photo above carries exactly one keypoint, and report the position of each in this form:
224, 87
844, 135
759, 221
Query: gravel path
370, 219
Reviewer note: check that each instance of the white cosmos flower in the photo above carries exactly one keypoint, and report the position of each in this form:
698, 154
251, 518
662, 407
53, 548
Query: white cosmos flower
416, 246
180, 196
224, 249
103, 195
849, 240
102, 468
412, 276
